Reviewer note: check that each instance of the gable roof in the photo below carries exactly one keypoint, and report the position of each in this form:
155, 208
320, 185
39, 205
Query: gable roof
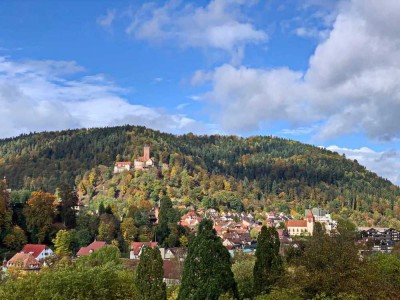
35, 249
296, 223
24, 261
137, 246
96, 245
172, 269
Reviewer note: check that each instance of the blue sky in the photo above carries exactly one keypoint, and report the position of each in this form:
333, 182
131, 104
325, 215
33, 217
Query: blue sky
324, 72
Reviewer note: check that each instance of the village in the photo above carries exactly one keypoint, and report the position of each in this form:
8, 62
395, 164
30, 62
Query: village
237, 231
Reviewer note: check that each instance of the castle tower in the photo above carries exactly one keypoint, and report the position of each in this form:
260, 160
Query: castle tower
146, 153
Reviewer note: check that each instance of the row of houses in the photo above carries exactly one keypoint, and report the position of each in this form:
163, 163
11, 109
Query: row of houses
30, 258
378, 239
33, 257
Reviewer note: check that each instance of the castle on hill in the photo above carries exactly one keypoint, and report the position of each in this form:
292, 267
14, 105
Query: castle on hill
140, 163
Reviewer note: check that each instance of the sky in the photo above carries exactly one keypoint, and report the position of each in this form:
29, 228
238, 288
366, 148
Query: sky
323, 72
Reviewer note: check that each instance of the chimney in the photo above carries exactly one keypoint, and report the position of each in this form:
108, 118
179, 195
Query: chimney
146, 153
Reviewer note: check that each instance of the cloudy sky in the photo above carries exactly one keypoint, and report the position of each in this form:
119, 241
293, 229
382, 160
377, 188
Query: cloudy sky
325, 72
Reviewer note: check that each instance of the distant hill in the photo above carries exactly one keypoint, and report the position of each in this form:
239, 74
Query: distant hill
274, 168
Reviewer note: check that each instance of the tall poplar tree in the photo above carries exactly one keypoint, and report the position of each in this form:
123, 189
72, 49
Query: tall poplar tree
149, 275
268, 267
207, 273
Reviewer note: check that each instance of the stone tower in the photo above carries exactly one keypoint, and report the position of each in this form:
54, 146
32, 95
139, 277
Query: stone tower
146, 153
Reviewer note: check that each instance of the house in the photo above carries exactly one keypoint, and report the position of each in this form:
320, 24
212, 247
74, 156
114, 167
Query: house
190, 219
122, 166
24, 261
382, 239
322, 216
145, 161
96, 245
137, 248
301, 227
172, 272
172, 269
38, 251
179, 253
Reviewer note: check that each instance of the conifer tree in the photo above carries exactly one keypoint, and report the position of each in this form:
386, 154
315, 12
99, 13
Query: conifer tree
207, 273
166, 220
149, 275
268, 267
102, 209
69, 200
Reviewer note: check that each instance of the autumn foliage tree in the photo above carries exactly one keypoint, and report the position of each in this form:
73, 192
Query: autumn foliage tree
62, 243
39, 213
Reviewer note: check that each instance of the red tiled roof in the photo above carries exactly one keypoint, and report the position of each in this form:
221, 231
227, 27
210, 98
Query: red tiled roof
35, 249
172, 270
184, 223
296, 223
23, 261
136, 246
96, 245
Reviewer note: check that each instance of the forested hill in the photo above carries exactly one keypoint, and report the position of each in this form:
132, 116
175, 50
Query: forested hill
273, 167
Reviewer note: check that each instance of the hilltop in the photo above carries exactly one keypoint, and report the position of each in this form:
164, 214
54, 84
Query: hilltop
241, 173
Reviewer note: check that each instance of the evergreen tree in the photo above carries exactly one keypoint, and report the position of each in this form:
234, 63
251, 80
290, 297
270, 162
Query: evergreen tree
102, 209
268, 267
5, 208
149, 275
207, 273
167, 220
69, 199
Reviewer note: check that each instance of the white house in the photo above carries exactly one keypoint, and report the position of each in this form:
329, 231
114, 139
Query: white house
137, 247
38, 251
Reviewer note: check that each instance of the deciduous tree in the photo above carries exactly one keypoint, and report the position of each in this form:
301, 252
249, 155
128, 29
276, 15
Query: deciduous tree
39, 214
62, 243
16, 238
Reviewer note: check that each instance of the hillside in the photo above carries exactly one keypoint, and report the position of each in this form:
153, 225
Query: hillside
259, 171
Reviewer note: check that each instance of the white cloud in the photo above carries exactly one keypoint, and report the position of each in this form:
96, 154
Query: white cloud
352, 83
219, 25
182, 106
311, 32
245, 96
385, 163
107, 20
40, 95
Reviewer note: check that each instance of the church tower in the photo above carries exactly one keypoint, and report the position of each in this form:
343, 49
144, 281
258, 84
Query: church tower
310, 222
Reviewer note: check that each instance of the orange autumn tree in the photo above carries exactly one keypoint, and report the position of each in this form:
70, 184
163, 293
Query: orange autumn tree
39, 213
